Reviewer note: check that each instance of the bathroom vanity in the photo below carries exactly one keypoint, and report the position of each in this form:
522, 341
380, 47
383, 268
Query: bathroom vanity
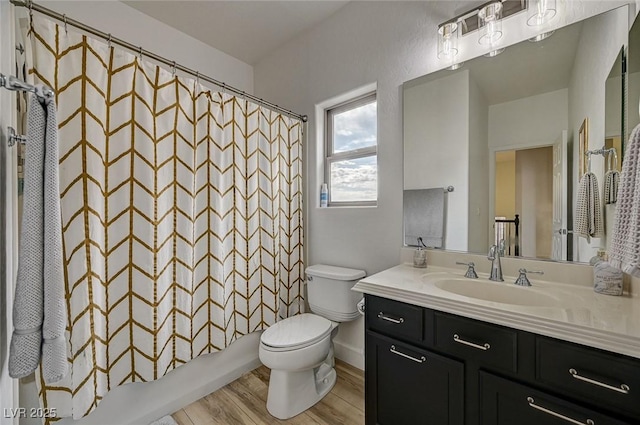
438, 357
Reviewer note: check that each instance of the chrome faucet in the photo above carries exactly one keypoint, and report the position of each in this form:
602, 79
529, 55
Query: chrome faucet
496, 267
522, 279
471, 271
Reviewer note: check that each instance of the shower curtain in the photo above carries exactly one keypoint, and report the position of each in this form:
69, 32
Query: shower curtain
181, 215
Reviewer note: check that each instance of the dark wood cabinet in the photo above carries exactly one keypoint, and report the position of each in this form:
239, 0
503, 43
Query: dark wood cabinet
428, 367
505, 402
412, 386
606, 379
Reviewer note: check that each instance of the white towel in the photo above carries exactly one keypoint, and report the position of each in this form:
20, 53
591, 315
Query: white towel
39, 313
611, 181
625, 247
588, 211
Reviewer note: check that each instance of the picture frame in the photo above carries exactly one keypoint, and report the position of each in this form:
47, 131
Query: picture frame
583, 146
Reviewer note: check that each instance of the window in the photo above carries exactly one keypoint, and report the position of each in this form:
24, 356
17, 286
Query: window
351, 165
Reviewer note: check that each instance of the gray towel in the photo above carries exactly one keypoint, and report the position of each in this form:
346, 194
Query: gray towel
611, 179
39, 312
424, 216
588, 211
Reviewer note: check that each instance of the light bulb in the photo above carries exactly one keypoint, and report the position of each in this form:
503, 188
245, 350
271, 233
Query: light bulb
540, 12
490, 23
448, 40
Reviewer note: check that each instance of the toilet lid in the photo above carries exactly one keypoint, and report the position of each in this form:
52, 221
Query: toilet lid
296, 331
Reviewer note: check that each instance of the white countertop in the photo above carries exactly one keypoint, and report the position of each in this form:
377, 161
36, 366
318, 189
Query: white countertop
582, 316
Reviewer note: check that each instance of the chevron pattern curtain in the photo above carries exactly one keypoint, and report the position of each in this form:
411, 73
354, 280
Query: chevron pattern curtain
181, 210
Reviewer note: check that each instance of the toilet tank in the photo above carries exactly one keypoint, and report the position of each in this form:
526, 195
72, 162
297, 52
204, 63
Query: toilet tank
329, 292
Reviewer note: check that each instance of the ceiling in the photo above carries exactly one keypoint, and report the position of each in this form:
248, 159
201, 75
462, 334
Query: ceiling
246, 30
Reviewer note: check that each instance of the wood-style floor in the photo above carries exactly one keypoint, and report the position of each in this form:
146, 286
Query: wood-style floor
244, 401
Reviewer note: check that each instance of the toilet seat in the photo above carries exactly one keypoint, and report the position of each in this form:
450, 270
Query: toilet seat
296, 332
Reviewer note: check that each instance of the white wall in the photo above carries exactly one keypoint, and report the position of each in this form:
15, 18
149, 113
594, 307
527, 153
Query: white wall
129, 24
440, 153
387, 42
142, 403
445, 144
531, 121
605, 34
478, 170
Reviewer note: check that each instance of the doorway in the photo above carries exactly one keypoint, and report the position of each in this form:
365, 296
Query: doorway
524, 187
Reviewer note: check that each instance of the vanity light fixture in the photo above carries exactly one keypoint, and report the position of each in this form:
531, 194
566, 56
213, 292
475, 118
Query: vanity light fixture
540, 12
487, 19
448, 40
490, 23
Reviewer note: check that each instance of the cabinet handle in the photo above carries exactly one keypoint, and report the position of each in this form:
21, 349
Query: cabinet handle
422, 359
383, 316
532, 403
624, 388
483, 347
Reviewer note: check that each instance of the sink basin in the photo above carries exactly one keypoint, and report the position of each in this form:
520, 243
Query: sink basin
497, 292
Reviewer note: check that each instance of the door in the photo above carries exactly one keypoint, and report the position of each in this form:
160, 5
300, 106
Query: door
504, 402
560, 174
406, 385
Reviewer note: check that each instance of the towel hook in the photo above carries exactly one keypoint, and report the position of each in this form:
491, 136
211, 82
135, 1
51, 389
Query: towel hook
15, 137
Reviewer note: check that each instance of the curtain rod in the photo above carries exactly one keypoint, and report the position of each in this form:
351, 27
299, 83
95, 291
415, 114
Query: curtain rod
174, 66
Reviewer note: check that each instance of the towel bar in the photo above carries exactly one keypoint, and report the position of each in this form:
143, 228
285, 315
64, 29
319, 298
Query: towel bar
15, 137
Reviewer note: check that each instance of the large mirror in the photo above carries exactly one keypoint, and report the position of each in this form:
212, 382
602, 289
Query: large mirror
633, 77
510, 133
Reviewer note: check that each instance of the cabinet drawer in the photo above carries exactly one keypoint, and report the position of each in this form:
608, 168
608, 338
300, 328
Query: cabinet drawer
406, 385
484, 344
504, 402
394, 318
609, 381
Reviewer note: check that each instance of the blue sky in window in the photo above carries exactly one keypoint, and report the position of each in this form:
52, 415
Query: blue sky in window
355, 179
355, 128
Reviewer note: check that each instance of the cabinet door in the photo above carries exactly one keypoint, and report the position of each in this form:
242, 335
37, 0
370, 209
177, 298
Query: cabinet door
409, 385
505, 402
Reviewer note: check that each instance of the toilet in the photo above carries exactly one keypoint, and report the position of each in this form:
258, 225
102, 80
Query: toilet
299, 349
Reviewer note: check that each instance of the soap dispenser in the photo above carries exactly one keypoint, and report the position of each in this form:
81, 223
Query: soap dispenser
420, 255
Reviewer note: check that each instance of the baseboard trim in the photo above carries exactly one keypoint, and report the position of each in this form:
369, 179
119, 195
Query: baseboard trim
349, 354
143, 403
